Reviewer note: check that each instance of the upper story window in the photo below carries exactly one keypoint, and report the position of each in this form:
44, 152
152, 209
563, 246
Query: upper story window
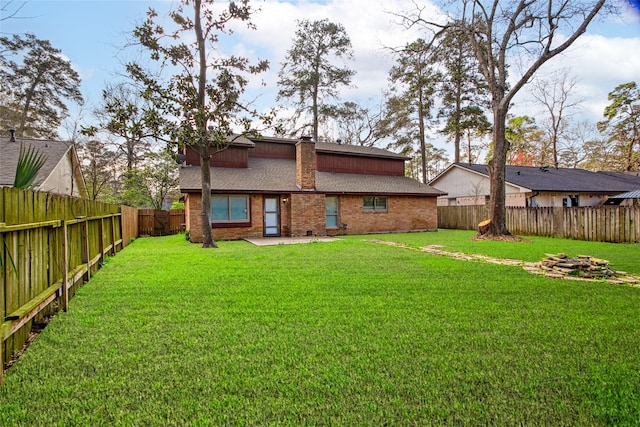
374, 204
227, 208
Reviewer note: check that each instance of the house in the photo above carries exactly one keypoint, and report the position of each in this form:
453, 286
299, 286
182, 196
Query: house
629, 198
60, 173
286, 187
528, 186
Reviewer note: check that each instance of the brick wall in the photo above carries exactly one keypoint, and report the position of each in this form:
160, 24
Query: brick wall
404, 213
194, 222
305, 212
308, 214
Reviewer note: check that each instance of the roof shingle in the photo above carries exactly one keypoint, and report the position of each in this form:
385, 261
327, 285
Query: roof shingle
10, 151
560, 180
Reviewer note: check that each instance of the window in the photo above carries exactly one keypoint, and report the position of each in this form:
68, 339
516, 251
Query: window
571, 201
375, 204
230, 208
331, 210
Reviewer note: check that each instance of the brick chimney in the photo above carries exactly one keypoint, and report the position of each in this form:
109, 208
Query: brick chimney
306, 163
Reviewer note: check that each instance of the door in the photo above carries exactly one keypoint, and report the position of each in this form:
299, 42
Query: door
271, 215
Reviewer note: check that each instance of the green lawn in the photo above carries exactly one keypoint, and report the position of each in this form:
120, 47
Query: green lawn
343, 333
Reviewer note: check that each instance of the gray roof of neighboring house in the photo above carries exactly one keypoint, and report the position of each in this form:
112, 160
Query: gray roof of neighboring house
279, 176
630, 177
560, 180
635, 194
10, 151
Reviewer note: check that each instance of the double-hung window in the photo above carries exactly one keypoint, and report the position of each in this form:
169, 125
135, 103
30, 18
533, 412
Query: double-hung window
230, 209
374, 204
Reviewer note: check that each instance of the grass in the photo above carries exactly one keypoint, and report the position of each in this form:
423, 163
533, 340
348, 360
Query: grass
342, 333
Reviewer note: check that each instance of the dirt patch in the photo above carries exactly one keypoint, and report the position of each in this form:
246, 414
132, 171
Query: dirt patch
539, 268
501, 238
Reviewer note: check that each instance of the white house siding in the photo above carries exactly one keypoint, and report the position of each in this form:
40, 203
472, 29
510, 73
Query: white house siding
463, 183
62, 180
557, 199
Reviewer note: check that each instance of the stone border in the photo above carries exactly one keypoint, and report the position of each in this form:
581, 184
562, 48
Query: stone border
531, 267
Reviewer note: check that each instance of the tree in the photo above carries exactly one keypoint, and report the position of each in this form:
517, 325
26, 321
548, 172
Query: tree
37, 81
356, 124
525, 140
128, 117
462, 91
622, 123
98, 168
202, 91
159, 178
512, 37
308, 75
554, 94
408, 107
474, 126
9, 9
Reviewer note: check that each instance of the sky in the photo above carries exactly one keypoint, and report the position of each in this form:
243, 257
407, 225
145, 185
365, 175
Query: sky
92, 35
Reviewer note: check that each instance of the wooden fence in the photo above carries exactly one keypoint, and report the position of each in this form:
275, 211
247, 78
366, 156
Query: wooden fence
51, 245
618, 224
160, 223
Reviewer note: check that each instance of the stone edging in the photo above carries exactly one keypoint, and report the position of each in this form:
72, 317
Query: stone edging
531, 267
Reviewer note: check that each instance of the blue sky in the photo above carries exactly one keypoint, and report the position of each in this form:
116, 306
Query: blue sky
91, 34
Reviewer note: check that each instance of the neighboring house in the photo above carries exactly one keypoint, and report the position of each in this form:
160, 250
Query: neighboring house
286, 187
629, 198
60, 173
527, 186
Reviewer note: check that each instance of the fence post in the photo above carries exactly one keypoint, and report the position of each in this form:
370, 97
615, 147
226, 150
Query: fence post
113, 234
65, 267
101, 240
86, 256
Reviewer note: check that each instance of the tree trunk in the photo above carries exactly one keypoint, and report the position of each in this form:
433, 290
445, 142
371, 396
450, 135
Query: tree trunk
201, 124
483, 226
496, 170
205, 175
423, 148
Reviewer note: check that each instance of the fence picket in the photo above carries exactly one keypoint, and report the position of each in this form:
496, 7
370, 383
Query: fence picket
620, 224
46, 249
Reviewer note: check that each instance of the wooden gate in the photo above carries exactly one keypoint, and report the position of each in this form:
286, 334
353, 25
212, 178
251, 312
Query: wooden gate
160, 223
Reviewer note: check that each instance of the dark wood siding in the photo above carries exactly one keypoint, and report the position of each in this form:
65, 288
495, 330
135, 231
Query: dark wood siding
271, 150
232, 157
360, 165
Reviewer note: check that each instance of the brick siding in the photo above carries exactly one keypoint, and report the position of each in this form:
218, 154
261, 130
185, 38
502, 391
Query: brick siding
404, 213
306, 164
304, 213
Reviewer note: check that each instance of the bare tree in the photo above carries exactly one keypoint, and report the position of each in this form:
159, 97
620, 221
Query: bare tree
9, 9
554, 94
512, 38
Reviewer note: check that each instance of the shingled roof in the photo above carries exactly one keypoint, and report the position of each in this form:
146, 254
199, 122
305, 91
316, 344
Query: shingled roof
279, 176
10, 151
558, 180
